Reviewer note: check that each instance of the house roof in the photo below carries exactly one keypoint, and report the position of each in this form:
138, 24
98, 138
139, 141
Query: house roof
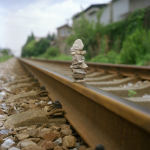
38, 38
66, 25
92, 6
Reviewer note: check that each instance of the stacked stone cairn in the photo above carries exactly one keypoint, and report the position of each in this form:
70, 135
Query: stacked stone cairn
78, 66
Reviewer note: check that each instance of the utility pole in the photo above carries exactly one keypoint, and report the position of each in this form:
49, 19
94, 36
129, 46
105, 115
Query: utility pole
111, 11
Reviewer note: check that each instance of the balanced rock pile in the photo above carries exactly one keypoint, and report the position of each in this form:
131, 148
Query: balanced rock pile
78, 66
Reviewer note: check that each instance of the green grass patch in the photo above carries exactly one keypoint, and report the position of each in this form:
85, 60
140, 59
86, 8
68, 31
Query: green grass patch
58, 57
4, 58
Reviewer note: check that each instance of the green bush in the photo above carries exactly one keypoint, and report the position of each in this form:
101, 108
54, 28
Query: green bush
29, 49
58, 57
100, 58
52, 52
89, 32
5, 52
111, 57
41, 46
5, 58
136, 47
33, 48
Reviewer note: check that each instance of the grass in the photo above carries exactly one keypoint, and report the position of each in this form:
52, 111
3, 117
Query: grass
59, 57
4, 58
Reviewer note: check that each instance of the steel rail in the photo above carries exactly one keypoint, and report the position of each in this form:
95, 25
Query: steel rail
98, 116
127, 70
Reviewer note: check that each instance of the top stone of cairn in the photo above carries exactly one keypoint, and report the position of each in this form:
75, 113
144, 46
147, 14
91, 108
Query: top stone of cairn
77, 46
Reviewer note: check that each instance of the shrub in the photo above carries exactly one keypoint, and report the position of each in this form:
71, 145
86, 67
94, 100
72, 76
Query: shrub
41, 46
100, 58
89, 32
113, 57
135, 47
50, 52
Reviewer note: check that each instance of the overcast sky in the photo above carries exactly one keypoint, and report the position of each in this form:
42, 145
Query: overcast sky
18, 18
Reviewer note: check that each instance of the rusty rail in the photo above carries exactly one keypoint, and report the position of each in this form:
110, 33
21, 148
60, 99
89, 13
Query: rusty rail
127, 70
98, 116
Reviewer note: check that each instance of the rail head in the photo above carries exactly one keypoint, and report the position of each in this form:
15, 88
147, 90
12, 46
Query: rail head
95, 64
126, 70
128, 110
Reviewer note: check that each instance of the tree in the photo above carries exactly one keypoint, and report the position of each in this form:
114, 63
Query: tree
41, 46
89, 32
50, 37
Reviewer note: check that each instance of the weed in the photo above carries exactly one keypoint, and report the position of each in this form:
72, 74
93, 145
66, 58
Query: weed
131, 93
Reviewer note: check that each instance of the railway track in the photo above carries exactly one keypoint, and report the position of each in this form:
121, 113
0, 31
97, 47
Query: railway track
100, 110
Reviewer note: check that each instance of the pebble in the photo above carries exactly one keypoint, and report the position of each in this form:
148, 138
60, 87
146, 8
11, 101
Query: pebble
13, 148
58, 141
6, 131
8, 143
2, 118
83, 147
58, 148
32, 132
65, 127
66, 132
69, 141
36, 140
26, 143
1, 140
47, 145
22, 136
47, 135
146, 96
57, 128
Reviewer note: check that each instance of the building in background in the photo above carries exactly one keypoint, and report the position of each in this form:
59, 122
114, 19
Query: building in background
37, 39
118, 10
114, 11
89, 13
62, 33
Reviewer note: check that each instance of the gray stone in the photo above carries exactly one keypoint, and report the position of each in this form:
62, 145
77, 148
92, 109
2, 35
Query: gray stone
69, 141
47, 145
36, 140
58, 148
76, 66
27, 118
77, 45
58, 141
79, 71
22, 136
47, 135
2, 118
65, 127
32, 132
13, 148
19, 129
78, 76
66, 132
26, 143
78, 58
8, 143
24, 105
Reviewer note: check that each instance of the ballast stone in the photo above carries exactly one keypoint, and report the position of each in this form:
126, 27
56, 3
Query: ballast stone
69, 141
29, 117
